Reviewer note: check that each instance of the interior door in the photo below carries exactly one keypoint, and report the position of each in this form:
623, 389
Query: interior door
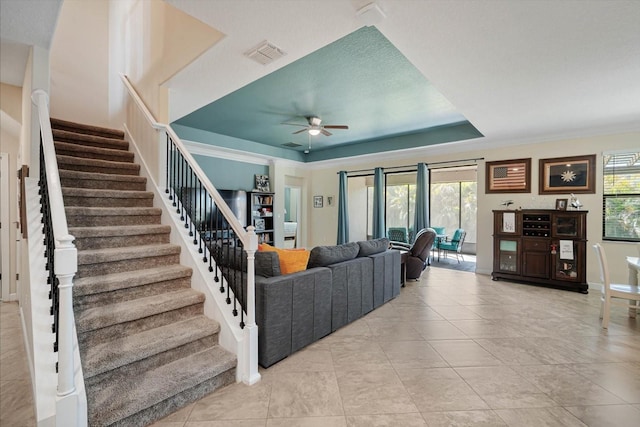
292, 207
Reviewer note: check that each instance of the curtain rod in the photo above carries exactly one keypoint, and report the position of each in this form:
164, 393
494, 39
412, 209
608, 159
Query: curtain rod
414, 166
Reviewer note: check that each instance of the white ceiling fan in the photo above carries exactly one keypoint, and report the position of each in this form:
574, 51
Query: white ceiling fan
315, 126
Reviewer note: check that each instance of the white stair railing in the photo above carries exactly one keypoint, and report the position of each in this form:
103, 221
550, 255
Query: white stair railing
174, 168
64, 265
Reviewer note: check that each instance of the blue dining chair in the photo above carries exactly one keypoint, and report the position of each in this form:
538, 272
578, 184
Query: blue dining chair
454, 245
441, 233
397, 234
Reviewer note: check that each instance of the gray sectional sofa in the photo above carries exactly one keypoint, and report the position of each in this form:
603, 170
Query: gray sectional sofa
341, 284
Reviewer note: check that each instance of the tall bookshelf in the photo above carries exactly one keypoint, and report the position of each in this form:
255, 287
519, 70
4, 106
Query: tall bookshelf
260, 212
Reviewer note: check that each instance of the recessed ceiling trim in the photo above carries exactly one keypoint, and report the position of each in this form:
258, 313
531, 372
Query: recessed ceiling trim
208, 150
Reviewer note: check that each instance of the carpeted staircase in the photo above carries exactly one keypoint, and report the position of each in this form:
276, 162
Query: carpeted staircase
146, 347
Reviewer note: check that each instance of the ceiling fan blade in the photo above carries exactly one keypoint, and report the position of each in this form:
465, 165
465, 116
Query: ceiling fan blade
300, 131
325, 132
336, 127
293, 124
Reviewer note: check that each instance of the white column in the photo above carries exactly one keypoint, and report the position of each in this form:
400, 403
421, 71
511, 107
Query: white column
252, 375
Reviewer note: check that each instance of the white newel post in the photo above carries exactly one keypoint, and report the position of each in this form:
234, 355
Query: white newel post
252, 375
66, 266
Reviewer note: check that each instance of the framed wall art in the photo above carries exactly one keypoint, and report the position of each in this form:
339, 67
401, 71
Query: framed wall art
317, 201
262, 183
563, 175
509, 176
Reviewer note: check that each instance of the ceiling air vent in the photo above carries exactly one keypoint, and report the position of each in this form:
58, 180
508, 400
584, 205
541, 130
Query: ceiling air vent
291, 145
265, 53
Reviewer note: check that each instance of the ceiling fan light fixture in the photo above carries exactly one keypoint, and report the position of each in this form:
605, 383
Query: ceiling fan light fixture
314, 131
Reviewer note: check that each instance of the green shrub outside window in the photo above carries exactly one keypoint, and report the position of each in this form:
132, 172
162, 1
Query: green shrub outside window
621, 197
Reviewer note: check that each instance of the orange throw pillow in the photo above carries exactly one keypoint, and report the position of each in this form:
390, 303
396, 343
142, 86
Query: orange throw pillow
291, 260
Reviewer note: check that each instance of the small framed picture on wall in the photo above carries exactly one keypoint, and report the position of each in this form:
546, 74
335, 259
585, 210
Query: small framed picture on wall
561, 204
262, 183
317, 201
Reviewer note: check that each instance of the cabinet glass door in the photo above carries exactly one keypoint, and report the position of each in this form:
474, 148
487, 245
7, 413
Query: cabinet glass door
567, 225
508, 256
566, 260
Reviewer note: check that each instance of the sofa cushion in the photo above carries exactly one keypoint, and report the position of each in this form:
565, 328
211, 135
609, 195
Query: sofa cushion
372, 247
267, 264
322, 256
291, 260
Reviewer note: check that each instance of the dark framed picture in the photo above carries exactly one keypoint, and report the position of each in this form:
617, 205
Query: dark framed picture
262, 183
509, 176
562, 175
561, 204
317, 201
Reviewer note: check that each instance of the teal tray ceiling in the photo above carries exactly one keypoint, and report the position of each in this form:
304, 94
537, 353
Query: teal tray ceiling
361, 81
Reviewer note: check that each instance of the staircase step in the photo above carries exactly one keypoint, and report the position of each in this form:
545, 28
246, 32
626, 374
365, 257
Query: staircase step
100, 324
86, 129
98, 153
106, 181
97, 217
146, 350
91, 197
96, 262
89, 140
146, 347
93, 291
154, 394
100, 166
119, 236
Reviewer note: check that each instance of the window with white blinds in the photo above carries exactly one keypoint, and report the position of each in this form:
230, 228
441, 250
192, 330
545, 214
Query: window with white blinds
621, 196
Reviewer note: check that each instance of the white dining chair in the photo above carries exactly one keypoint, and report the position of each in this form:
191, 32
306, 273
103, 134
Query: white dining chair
614, 290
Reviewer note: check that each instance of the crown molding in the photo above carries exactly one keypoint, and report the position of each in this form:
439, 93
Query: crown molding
236, 155
409, 153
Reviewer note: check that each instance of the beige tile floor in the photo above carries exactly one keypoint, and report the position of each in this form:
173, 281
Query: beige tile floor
454, 349
16, 401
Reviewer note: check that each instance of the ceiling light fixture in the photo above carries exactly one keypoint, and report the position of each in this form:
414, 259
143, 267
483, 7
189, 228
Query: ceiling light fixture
314, 131
308, 149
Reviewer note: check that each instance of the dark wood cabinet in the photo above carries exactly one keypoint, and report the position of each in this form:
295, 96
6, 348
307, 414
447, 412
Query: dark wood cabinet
545, 247
260, 212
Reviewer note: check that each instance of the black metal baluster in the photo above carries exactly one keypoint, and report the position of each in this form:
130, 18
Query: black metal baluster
201, 220
212, 239
218, 249
166, 184
192, 203
209, 228
174, 171
179, 189
49, 245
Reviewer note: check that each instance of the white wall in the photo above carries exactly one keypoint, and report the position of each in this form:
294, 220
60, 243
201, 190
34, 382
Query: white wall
80, 63
325, 181
10, 131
